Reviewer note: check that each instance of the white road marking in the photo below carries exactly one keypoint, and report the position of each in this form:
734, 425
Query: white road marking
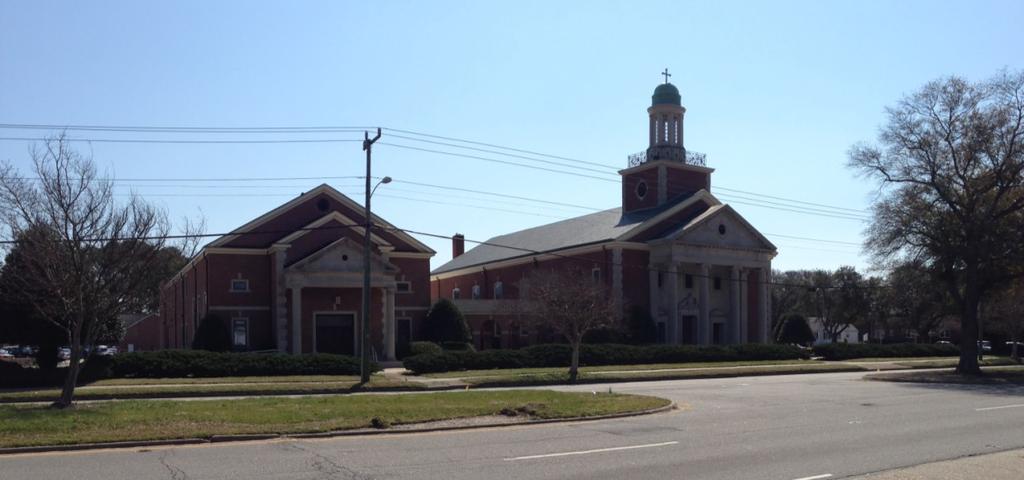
816, 477
1019, 405
585, 452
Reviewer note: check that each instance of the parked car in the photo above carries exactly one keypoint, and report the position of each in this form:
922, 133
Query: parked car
105, 351
64, 353
5, 355
985, 345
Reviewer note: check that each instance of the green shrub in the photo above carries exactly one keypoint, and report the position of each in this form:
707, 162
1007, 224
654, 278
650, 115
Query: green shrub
559, 355
642, 329
419, 348
846, 351
458, 346
212, 335
198, 363
445, 323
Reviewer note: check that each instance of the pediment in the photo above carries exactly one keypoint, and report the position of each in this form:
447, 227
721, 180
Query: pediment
721, 226
341, 256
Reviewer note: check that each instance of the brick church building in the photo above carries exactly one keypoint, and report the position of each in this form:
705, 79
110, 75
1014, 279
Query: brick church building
693, 262
291, 281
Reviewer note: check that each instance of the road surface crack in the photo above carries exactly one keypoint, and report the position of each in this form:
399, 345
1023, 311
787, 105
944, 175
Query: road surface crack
328, 468
175, 472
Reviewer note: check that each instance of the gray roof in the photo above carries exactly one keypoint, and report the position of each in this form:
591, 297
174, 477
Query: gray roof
593, 228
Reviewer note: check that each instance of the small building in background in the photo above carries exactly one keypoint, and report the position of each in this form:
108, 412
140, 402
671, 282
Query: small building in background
821, 337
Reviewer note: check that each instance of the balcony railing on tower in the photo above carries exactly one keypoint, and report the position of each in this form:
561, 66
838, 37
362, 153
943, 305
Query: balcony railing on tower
670, 153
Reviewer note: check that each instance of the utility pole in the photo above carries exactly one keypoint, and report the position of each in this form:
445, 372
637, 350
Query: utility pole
364, 331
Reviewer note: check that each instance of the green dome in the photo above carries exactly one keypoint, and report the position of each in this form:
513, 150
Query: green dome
666, 93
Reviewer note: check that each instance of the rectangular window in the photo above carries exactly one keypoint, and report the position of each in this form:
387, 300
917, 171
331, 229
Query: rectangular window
660, 276
499, 290
240, 332
403, 287
596, 275
688, 280
718, 283
239, 285
456, 293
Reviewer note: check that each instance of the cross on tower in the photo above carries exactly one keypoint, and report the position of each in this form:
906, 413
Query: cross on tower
666, 74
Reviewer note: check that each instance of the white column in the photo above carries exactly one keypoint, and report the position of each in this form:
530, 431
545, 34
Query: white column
745, 311
762, 303
704, 320
653, 290
389, 324
297, 320
735, 313
280, 302
672, 285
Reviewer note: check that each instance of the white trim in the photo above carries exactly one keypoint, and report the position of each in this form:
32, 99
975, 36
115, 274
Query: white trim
700, 195
331, 192
233, 343
397, 254
407, 291
236, 251
336, 216
355, 326
398, 308
232, 289
656, 163
540, 257
715, 211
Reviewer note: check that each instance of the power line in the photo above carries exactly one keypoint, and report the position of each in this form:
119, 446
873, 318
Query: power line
120, 140
555, 254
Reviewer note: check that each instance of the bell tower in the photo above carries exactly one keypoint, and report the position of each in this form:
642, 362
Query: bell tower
665, 172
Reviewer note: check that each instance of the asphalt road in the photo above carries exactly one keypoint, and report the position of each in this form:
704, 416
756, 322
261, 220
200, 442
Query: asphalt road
783, 427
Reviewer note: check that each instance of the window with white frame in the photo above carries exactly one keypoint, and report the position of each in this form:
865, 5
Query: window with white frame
499, 290
476, 292
240, 332
596, 274
240, 285
403, 287
456, 293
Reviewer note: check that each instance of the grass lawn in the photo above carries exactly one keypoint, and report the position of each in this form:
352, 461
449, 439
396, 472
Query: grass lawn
991, 376
989, 360
159, 420
606, 368
180, 388
561, 376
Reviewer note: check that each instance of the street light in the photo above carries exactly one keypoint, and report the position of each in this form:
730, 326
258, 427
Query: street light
364, 336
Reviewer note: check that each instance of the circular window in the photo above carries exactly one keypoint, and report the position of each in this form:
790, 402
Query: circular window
721, 229
641, 189
322, 205
344, 258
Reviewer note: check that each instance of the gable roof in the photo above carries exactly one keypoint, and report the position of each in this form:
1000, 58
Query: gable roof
327, 190
604, 226
717, 211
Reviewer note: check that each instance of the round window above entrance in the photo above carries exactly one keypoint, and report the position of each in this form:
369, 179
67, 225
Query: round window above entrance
721, 229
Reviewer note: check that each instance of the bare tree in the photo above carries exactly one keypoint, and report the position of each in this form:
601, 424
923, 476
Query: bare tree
951, 190
83, 256
571, 303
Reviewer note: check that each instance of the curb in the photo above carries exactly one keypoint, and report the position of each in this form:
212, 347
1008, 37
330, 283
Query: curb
338, 433
102, 445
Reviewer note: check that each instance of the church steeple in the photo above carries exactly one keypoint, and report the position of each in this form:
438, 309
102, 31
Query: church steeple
666, 117
665, 172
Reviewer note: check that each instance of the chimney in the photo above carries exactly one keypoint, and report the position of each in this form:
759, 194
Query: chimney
458, 245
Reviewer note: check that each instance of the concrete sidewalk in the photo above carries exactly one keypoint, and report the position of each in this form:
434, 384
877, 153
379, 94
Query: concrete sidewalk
1008, 465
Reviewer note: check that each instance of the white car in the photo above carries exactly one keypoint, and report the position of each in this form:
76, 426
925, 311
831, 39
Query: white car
4, 354
64, 353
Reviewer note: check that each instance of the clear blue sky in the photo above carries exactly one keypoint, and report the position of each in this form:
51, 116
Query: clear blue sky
776, 93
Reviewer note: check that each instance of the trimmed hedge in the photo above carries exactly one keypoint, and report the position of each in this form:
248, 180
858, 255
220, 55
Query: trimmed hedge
419, 348
197, 363
846, 351
560, 355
